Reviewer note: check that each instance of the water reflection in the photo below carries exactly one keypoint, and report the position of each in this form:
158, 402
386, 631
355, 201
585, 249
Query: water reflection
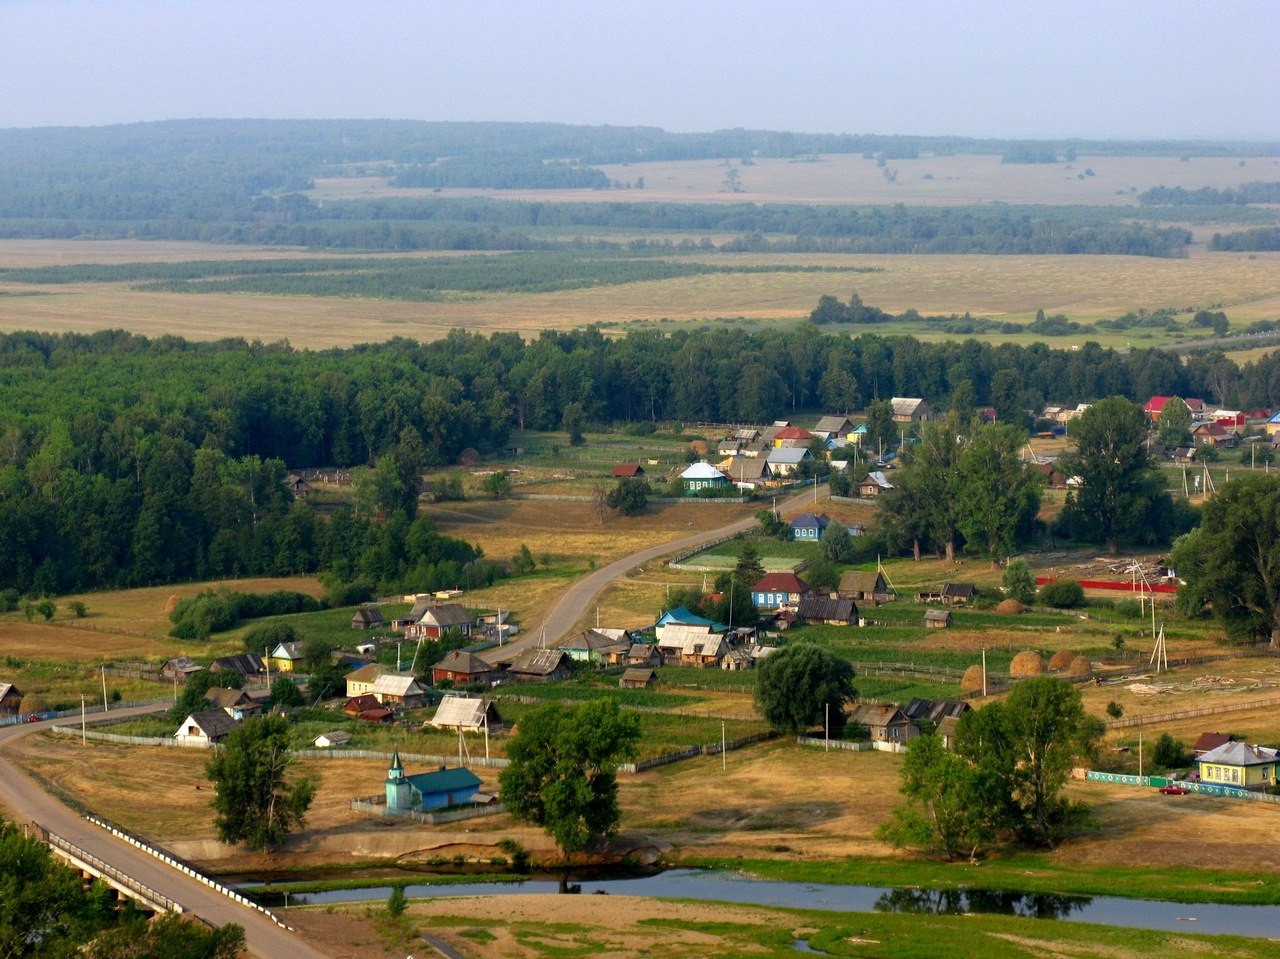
952, 902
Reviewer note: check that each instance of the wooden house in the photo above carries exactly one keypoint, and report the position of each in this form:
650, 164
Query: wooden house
206, 728
932, 712
249, 665
287, 658
937, 618
470, 714
236, 703
10, 699
809, 527
643, 654
958, 594
737, 658
785, 461
298, 486
628, 471
436, 620
368, 617
367, 709
874, 484
1210, 741
397, 690
180, 669
462, 669
864, 586
1211, 434
835, 428
910, 409
1240, 765
747, 472
361, 681
828, 610
638, 678
539, 666
886, 724
596, 646
702, 476
778, 589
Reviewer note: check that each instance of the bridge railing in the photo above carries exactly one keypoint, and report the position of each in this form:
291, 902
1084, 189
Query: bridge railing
107, 871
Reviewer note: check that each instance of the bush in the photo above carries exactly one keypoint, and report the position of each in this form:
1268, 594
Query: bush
338, 594
397, 902
268, 636
1020, 582
8, 600
520, 861
1169, 752
46, 608
78, 609
1061, 595
1114, 709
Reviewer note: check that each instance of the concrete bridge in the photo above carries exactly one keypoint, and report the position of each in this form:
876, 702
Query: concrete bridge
92, 867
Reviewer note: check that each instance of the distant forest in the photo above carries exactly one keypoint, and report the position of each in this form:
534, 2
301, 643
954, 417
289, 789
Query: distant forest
127, 461
1207, 196
1262, 239
239, 181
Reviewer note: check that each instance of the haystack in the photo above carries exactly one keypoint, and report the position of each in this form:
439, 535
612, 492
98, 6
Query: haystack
172, 604
971, 682
469, 456
1026, 663
1009, 607
1080, 667
1061, 659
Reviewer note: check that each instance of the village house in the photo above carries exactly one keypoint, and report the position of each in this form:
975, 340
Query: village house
1053, 477
790, 436
249, 665
236, 703
638, 678
784, 462
180, 669
932, 713
1155, 406
682, 616
874, 484
287, 658
597, 646
737, 658
675, 637
1231, 420
958, 594
367, 709
10, 699
1211, 434
628, 471
643, 654
1273, 425
1239, 764
397, 690
696, 649
864, 586
910, 409
438, 789
539, 666
937, 618
828, 610
835, 428
471, 714
809, 527
298, 486
368, 617
747, 472
206, 728
1210, 741
778, 589
434, 621
462, 669
361, 681
331, 740
886, 724
700, 476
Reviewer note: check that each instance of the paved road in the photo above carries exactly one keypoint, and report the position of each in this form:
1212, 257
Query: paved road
28, 802
576, 600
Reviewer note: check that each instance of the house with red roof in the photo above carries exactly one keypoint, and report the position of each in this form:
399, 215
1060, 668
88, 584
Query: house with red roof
797, 434
628, 471
778, 589
1155, 406
1211, 434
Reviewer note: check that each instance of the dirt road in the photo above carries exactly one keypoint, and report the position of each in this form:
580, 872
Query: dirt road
27, 801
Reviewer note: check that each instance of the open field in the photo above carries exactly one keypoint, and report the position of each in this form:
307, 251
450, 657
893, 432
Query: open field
621, 927
849, 178
1010, 288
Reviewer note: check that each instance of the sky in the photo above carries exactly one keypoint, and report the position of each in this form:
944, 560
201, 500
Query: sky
1131, 69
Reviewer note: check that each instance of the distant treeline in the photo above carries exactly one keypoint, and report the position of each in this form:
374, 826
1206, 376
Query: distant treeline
1208, 196
1265, 238
502, 173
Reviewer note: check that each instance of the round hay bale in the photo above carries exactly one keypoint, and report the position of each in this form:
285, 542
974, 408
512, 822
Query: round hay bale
1009, 607
469, 456
171, 604
1026, 663
971, 682
700, 447
1080, 667
1061, 659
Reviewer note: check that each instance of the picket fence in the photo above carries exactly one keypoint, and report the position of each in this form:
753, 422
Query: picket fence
862, 746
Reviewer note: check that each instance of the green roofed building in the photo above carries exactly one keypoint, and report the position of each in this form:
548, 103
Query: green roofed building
434, 790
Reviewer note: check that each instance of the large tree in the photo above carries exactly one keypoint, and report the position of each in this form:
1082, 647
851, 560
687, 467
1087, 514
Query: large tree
882, 431
1231, 563
563, 770
1120, 491
1175, 422
254, 801
945, 811
802, 686
999, 494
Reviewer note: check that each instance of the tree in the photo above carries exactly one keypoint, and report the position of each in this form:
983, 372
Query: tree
945, 811
1019, 582
397, 902
999, 494
1114, 709
562, 773
1119, 492
749, 570
168, 936
497, 485
630, 496
1169, 752
600, 499
192, 700
802, 686
1175, 423
78, 609
836, 543
882, 431
285, 693
925, 503
575, 421
264, 637
773, 525
1023, 749
327, 681
317, 652
1231, 563
47, 608
255, 803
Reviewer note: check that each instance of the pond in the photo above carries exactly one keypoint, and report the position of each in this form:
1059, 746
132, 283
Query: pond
718, 886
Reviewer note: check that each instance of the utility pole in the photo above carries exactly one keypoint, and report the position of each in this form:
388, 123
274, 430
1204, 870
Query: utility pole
724, 754
397, 655
984, 671
104, 689
266, 661
84, 736
826, 727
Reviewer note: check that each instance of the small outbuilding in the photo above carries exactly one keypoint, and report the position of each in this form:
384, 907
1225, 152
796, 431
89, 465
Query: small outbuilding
958, 594
468, 713
864, 586
180, 669
539, 666
638, 678
332, 740
206, 728
886, 724
937, 618
368, 617
10, 699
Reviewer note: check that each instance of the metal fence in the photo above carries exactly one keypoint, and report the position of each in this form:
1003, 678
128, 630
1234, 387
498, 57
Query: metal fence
1207, 789
374, 808
149, 895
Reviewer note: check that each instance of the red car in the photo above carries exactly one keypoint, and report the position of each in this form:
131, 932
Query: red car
1174, 790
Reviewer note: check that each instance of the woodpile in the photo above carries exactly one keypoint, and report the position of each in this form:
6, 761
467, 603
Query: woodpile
1027, 663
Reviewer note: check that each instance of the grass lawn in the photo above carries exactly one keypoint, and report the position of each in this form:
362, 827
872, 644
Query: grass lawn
775, 555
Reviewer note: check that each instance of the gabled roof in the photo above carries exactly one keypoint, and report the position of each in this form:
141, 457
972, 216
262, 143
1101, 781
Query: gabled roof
906, 405
743, 468
591, 640
366, 674
780, 583
394, 684
793, 433
222, 698
937, 616
290, 651
361, 704
444, 780
698, 644
638, 674
446, 616
959, 590
628, 469
935, 710
1240, 754
640, 652
810, 521
826, 608
1156, 404
790, 455
537, 662
214, 723
179, 664
876, 717
1210, 741
699, 471
683, 616
7, 688
467, 712
675, 634
367, 614
860, 581
336, 738
877, 477
832, 424
460, 661
246, 664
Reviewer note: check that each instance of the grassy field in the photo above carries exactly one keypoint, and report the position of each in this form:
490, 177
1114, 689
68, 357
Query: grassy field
849, 178
622, 927
774, 554
1008, 288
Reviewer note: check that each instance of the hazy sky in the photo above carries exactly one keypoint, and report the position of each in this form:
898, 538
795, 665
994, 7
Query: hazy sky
1120, 68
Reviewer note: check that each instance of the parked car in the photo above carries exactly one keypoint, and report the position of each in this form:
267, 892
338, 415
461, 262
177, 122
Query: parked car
1174, 790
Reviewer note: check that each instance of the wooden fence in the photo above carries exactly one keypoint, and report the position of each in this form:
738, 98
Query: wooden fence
861, 746
1127, 722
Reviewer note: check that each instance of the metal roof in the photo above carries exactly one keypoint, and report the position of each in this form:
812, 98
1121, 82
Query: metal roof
1240, 754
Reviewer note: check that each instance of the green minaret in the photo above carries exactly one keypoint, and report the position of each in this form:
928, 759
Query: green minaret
399, 792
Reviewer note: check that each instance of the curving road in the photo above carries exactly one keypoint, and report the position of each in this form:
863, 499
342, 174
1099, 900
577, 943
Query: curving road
576, 600
28, 802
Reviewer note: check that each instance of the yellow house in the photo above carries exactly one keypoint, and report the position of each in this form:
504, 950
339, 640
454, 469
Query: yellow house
286, 657
1239, 765
361, 681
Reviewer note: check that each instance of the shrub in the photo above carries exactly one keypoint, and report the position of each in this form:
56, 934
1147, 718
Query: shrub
1019, 582
1114, 709
1128, 608
78, 609
268, 636
47, 608
1062, 595
1169, 752
8, 600
397, 902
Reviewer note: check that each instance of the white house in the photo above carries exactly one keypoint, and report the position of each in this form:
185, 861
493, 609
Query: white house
785, 461
330, 740
205, 728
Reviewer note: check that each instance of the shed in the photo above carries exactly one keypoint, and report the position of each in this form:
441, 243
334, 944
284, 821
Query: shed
539, 666
367, 617
937, 618
958, 594
886, 724
628, 471
182, 668
637, 678
864, 586
298, 486
10, 699
397, 689
468, 713
830, 610
205, 728
330, 740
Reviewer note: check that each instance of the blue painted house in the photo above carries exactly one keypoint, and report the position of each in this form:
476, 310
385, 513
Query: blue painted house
682, 616
776, 590
808, 527
434, 790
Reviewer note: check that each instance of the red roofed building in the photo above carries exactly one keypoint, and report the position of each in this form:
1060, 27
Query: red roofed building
791, 433
1155, 406
778, 589
628, 470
